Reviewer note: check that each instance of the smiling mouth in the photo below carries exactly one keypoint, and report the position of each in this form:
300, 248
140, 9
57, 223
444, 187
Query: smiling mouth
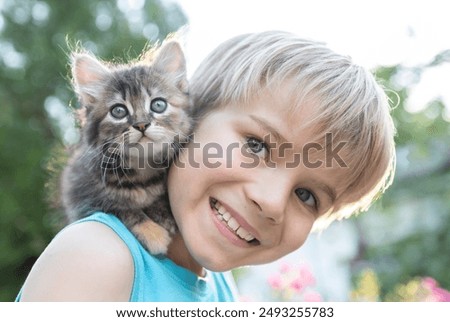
224, 216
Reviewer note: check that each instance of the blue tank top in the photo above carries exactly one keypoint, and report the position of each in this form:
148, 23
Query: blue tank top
159, 279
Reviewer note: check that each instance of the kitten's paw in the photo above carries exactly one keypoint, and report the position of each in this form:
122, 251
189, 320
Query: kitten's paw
153, 237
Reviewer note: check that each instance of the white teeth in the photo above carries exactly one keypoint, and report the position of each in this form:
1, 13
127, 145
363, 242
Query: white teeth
224, 215
221, 209
244, 234
233, 224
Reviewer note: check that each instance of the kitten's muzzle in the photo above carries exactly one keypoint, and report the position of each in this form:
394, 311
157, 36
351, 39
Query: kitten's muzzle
141, 126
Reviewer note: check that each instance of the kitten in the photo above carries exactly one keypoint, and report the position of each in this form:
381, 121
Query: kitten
134, 118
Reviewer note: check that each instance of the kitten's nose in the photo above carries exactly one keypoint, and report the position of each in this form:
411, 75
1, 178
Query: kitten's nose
141, 126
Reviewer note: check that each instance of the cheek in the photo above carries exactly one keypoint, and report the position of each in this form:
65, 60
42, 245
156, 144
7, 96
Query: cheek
175, 122
187, 183
175, 186
205, 162
108, 130
296, 232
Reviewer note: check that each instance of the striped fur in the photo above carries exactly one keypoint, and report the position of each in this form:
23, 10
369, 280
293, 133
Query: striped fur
120, 164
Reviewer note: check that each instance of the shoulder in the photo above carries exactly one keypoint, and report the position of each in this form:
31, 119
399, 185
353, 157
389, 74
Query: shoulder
85, 262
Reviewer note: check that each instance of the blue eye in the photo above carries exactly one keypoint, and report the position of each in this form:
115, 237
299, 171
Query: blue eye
119, 111
158, 105
306, 197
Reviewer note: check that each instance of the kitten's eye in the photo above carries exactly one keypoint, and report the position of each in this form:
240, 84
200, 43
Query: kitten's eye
119, 111
257, 146
158, 105
306, 197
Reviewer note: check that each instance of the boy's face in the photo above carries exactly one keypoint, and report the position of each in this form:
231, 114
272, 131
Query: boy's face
249, 187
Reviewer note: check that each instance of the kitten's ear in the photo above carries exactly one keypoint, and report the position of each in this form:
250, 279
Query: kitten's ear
170, 60
88, 77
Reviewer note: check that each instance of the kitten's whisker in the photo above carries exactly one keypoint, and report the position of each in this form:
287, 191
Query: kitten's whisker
179, 134
91, 154
107, 159
124, 167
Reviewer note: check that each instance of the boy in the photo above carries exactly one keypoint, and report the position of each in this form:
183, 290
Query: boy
289, 136
276, 94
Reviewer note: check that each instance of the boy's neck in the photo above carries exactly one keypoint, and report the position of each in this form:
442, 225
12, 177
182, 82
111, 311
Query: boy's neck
180, 255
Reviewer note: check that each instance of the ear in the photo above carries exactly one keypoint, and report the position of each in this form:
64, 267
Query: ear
88, 76
170, 59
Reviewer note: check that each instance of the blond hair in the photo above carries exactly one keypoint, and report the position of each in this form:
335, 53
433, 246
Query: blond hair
348, 102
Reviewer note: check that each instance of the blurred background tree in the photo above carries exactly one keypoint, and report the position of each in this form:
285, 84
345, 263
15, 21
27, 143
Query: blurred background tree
35, 95
407, 234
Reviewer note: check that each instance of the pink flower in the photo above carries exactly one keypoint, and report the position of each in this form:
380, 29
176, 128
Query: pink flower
307, 276
437, 294
429, 283
297, 285
312, 296
441, 295
275, 282
292, 281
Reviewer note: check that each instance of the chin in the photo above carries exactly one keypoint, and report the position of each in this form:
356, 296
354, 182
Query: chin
216, 265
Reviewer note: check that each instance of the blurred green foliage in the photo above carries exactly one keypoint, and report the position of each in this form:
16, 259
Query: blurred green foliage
407, 235
424, 289
34, 49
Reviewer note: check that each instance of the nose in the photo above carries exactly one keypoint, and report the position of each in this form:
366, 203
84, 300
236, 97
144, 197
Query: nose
269, 198
141, 126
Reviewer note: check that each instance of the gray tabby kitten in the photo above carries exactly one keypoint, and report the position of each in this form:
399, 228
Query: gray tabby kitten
135, 117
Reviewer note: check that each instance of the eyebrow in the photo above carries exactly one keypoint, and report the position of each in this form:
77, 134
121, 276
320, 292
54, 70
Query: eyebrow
268, 128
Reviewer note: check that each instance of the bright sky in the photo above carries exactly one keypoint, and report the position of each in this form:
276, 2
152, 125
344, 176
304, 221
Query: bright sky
373, 33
